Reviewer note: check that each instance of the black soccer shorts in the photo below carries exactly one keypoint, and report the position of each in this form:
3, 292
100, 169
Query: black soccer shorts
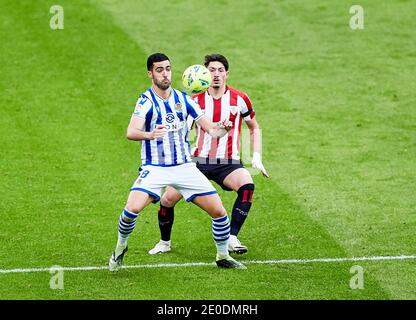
217, 169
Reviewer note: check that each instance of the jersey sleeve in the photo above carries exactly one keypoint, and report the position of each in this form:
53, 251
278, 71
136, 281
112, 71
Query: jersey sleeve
192, 108
143, 106
247, 111
190, 122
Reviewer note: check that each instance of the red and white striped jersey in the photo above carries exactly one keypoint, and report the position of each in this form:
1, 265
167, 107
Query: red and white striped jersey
234, 106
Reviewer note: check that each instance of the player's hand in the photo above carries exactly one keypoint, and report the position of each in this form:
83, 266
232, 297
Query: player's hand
257, 164
226, 124
159, 131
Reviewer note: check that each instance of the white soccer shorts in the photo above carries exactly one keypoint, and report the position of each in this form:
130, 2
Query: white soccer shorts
185, 178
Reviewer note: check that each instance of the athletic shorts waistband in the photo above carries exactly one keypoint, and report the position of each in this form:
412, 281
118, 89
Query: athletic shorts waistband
165, 165
200, 160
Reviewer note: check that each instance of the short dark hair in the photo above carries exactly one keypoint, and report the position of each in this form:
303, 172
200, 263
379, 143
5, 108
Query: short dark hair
155, 57
216, 57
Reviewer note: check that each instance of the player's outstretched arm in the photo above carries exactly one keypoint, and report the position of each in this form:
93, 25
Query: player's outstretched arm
135, 130
255, 142
214, 130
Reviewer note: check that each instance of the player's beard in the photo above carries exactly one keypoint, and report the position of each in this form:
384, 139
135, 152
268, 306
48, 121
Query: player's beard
216, 83
163, 84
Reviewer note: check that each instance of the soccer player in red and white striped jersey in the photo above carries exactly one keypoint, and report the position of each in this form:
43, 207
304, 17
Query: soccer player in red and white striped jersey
219, 158
224, 104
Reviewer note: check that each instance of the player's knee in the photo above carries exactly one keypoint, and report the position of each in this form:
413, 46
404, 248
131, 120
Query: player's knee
132, 208
218, 212
169, 200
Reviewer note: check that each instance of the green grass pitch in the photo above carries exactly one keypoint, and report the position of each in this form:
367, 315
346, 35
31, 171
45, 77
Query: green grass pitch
337, 111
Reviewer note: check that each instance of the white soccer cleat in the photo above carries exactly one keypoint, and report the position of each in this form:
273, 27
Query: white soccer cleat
235, 246
160, 247
115, 263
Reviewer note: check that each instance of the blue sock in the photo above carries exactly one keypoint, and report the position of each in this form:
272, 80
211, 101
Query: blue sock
126, 225
221, 233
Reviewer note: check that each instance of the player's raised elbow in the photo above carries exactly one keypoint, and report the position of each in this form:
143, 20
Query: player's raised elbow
134, 129
130, 134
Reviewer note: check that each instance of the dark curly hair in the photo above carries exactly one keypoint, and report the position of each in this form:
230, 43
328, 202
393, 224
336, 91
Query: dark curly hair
216, 57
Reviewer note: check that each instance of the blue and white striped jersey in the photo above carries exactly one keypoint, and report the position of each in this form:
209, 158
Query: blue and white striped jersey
173, 148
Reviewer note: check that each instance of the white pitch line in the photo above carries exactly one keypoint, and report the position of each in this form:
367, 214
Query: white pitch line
374, 258
198, 264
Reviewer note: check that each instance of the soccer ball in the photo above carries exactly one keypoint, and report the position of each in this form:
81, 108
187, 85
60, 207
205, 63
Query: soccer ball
196, 78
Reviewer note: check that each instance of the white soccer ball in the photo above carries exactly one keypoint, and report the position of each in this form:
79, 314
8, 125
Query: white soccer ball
196, 78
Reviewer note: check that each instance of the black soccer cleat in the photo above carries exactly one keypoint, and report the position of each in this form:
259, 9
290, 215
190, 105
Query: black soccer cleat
230, 263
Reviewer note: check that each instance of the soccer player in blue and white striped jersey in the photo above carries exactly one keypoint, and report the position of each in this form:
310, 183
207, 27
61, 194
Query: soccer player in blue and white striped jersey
159, 121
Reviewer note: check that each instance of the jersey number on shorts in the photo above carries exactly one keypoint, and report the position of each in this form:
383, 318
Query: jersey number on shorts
144, 174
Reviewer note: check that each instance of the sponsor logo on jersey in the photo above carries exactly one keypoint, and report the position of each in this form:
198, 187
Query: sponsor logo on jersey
170, 117
174, 126
234, 110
